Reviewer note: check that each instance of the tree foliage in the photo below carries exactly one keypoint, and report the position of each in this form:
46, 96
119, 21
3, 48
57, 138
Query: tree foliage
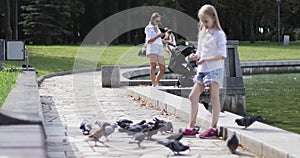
45, 22
68, 22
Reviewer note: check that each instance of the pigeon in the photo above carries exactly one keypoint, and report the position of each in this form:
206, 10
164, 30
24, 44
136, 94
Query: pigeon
174, 145
177, 136
232, 143
124, 123
138, 138
109, 130
167, 127
97, 134
247, 120
153, 129
86, 127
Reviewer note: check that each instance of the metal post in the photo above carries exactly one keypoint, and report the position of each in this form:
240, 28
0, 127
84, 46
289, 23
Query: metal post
278, 27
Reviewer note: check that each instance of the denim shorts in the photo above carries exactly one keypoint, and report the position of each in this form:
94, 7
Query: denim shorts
208, 77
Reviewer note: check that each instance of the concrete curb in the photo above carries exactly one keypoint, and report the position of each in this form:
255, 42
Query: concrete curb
21, 114
258, 138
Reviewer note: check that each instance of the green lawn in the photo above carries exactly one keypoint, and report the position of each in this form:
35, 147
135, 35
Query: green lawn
50, 59
7, 82
268, 51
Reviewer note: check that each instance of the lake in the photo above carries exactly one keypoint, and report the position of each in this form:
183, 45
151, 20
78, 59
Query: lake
276, 98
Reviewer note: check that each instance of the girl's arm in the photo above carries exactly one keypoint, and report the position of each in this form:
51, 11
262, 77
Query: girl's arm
155, 38
215, 58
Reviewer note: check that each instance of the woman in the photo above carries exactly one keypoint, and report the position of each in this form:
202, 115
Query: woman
154, 49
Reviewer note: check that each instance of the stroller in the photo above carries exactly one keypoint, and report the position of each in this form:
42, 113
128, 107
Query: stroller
186, 70
180, 66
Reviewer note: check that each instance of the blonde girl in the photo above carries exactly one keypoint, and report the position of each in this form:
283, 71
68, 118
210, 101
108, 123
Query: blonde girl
211, 52
154, 49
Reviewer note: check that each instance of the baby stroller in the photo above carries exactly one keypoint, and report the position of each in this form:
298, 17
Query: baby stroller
186, 70
180, 66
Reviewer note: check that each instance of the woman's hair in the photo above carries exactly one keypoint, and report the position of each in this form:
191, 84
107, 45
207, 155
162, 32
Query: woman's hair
210, 11
154, 16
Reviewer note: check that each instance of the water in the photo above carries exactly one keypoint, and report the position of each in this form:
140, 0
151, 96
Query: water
276, 98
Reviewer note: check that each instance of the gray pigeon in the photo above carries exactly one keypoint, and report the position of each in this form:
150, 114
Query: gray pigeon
86, 127
247, 120
109, 130
232, 143
167, 127
174, 145
138, 138
177, 136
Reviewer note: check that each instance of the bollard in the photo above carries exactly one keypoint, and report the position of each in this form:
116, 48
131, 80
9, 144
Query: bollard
233, 93
110, 76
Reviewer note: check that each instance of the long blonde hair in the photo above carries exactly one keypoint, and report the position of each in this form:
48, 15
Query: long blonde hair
154, 16
210, 11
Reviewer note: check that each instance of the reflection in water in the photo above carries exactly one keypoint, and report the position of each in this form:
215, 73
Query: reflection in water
276, 98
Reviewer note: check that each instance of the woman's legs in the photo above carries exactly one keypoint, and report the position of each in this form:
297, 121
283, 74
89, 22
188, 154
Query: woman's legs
194, 99
215, 100
161, 64
152, 72
161, 72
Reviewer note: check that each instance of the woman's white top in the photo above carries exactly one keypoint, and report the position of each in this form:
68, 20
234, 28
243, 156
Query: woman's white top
157, 46
210, 44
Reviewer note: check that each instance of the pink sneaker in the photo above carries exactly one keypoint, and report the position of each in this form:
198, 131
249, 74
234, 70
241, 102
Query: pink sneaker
189, 132
209, 134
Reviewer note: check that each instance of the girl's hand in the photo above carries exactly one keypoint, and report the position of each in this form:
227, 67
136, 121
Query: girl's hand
161, 35
194, 57
199, 62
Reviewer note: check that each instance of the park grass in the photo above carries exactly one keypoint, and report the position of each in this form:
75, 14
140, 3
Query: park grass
51, 59
268, 51
7, 82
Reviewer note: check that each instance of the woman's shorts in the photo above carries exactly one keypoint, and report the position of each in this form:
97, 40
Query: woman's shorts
155, 49
208, 77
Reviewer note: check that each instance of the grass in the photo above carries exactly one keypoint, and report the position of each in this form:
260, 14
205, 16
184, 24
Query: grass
7, 82
268, 51
50, 59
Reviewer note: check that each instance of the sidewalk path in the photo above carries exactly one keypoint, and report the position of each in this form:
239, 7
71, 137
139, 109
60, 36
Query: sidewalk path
67, 100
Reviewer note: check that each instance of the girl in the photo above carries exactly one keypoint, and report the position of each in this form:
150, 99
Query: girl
170, 41
154, 48
209, 57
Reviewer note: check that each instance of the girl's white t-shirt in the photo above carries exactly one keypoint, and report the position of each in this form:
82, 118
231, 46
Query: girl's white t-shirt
210, 44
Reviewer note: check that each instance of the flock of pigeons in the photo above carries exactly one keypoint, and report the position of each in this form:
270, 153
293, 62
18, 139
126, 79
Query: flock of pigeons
145, 130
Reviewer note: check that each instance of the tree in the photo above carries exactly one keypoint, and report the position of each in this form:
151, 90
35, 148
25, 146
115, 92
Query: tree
45, 22
8, 32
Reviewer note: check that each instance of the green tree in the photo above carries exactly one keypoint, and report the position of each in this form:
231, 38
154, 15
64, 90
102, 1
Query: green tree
45, 22
8, 32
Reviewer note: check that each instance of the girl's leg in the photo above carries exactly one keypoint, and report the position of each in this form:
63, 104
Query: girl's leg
153, 60
194, 99
215, 100
161, 72
161, 65
152, 73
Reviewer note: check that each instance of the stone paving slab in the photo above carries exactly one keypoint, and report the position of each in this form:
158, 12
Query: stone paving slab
66, 104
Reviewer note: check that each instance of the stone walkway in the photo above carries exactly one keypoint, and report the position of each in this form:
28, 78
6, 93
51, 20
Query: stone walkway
67, 100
